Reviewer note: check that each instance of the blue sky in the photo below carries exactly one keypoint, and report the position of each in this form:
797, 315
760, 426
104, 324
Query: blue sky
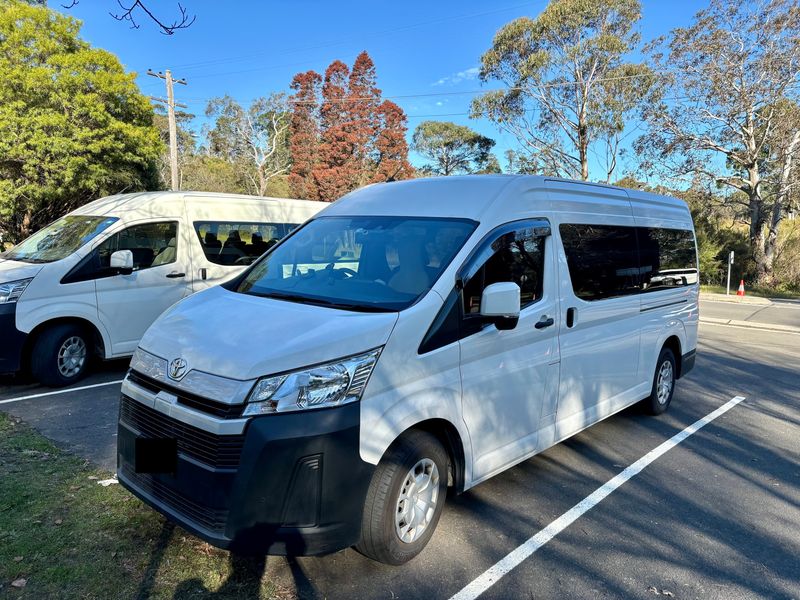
426, 53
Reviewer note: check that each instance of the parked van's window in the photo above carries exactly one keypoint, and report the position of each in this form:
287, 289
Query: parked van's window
59, 239
603, 260
517, 259
152, 245
667, 258
228, 243
360, 263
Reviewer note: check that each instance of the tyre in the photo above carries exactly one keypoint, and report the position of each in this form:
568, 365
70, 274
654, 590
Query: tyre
663, 383
60, 355
405, 499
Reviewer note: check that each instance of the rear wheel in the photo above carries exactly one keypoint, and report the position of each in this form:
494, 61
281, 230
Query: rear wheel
663, 383
405, 499
60, 355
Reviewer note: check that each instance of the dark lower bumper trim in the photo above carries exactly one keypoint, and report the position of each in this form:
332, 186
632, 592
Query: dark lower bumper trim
298, 490
13, 339
687, 362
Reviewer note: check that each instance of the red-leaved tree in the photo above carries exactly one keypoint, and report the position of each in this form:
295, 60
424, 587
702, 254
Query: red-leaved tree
390, 145
343, 136
334, 172
363, 99
304, 134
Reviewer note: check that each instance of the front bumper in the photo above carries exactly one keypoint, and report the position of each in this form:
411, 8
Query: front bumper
291, 484
13, 340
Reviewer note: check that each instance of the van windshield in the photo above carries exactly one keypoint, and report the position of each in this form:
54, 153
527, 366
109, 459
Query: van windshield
359, 263
59, 239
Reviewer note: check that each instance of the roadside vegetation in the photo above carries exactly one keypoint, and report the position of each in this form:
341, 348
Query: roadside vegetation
63, 535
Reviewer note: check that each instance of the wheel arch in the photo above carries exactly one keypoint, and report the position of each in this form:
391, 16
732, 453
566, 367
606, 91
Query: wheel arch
673, 342
450, 439
98, 343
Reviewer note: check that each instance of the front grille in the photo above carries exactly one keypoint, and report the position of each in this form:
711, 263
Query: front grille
213, 519
211, 407
218, 451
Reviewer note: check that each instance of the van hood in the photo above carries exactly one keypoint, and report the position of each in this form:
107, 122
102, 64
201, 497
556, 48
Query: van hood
245, 337
12, 270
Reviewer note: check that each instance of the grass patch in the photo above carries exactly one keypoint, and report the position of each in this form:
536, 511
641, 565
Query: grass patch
69, 537
751, 291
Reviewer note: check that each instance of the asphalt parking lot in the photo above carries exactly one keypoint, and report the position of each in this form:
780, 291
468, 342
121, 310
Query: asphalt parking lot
717, 516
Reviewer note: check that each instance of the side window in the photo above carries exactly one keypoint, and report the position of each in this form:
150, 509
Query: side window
603, 260
230, 243
667, 258
516, 257
152, 245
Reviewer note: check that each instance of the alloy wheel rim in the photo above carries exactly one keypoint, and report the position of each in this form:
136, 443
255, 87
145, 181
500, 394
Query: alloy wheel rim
416, 503
664, 382
71, 356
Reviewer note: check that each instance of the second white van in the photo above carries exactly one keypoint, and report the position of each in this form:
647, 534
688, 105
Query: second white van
411, 337
92, 282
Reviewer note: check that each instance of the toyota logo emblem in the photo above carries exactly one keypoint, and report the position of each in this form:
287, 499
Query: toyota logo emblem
177, 369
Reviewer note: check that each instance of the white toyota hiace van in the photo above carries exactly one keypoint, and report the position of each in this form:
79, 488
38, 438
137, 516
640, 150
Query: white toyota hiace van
92, 282
413, 336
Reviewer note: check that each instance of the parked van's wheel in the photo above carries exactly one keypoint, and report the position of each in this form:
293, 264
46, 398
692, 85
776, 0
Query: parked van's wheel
663, 383
60, 355
405, 499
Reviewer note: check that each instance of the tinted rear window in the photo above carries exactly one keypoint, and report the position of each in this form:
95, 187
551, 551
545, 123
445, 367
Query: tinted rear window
608, 261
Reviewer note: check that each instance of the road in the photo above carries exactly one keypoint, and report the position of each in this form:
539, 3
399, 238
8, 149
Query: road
717, 516
778, 313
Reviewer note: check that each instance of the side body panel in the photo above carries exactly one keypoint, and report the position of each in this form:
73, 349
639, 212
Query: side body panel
510, 381
600, 352
128, 304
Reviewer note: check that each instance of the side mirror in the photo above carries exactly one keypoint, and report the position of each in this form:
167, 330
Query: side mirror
500, 304
122, 261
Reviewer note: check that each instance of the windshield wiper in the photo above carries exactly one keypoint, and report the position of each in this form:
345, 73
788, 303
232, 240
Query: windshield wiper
323, 302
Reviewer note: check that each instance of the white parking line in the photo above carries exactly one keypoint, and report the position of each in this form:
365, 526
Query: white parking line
494, 573
64, 391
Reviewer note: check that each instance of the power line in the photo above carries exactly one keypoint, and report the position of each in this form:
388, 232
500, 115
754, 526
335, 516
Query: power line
453, 93
328, 44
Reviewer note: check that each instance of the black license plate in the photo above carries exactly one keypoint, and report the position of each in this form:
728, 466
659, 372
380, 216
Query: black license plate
155, 455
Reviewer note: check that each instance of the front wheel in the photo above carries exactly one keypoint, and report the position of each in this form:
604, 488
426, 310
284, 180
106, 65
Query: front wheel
61, 355
663, 383
405, 499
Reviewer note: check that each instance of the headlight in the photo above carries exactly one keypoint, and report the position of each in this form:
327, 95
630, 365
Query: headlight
330, 384
9, 292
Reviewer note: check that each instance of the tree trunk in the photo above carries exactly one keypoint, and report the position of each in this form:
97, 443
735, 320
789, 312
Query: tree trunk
262, 182
781, 201
24, 229
583, 146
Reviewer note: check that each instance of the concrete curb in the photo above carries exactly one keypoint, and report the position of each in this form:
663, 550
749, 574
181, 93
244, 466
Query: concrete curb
751, 325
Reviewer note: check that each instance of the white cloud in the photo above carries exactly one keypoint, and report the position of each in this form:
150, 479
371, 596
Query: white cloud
455, 78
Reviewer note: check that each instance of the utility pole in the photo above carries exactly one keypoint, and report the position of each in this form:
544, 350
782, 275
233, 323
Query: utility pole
173, 128
730, 262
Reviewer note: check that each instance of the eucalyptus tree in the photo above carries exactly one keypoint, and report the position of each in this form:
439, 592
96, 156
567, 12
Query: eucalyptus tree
567, 89
730, 110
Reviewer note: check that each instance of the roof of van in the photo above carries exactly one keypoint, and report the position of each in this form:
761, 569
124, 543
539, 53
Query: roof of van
479, 196
140, 200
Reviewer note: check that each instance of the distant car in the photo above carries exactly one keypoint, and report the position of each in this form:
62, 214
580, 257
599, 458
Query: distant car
413, 336
93, 281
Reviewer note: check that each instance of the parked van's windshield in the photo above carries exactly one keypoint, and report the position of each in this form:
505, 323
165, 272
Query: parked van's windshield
359, 263
59, 239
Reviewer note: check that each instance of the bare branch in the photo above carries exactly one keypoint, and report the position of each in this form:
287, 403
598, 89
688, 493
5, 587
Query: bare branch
127, 14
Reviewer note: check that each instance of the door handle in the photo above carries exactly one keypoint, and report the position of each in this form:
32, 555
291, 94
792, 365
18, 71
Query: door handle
572, 312
545, 321
175, 275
